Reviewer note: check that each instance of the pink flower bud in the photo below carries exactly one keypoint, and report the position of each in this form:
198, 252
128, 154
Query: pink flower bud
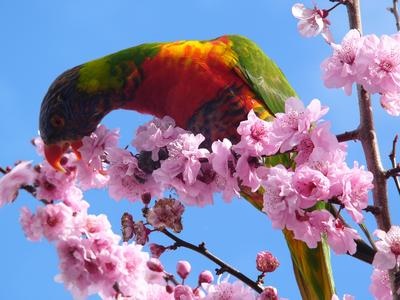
155, 265
269, 293
146, 198
266, 262
183, 268
205, 277
156, 250
170, 289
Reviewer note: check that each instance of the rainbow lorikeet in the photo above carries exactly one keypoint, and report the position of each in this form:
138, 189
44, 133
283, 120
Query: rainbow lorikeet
208, 87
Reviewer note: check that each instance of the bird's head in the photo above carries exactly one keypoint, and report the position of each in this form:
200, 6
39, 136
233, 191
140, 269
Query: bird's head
67, 114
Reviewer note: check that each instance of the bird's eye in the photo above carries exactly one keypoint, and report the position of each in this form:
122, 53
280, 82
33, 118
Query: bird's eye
57, 121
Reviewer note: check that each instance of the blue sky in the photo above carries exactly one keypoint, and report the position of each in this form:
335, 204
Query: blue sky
40, 39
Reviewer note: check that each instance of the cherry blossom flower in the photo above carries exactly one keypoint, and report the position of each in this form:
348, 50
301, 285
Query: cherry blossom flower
391, 103
345, 297
256, 137
380, 286
280, 198
342, 69
187, 170
52, 184
387, 256
225, 290
311, 185
356, 183
184, 292
383, 69
340, 237
30, 225
94, 146
224, 163
294, 124
127, 180
22, 174
156, 134
55, 220
312, 21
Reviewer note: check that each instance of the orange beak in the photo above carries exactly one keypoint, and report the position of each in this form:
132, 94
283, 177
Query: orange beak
54, 153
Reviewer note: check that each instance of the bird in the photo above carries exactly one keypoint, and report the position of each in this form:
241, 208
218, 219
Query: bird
206, 86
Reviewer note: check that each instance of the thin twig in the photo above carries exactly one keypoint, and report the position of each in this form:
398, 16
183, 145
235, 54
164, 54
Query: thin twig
348, 136
224, 267
392, 157
395, 12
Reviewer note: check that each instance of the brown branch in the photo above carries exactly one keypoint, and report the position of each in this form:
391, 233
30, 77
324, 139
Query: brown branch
348, 136
392, 157
394, 10
224, 267
370, 147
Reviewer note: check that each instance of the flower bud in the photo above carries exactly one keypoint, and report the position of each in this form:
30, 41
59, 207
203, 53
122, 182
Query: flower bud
266, 262
206, 277
155, 265
269, 293
156, 250
183, 268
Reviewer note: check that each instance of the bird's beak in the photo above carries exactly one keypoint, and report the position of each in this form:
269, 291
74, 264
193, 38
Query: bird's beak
54, 153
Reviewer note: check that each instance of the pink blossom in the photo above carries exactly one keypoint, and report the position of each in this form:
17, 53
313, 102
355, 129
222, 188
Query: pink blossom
30, 224
340, 237
256, 137
355, 186
89, 178
55, 220
341, 69
294, 124
383, 73
280, 198
248, 171
391, 103
387, 256
184, 292
380, 286
94, 146
312, 21
55, 185
22, 174
156, 134
325, 151
225, 290
224, 163
303, 225
311, 185
127, 180
187, 170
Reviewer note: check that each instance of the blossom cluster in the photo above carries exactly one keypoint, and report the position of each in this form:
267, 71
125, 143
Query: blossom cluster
294, 158
369, 60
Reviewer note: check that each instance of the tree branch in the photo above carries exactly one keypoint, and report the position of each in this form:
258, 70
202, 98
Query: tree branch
392, 157
370, 147
224, 267
348, 136
395, 12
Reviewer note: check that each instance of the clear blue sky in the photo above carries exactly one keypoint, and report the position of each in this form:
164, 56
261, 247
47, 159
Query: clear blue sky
40, 39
